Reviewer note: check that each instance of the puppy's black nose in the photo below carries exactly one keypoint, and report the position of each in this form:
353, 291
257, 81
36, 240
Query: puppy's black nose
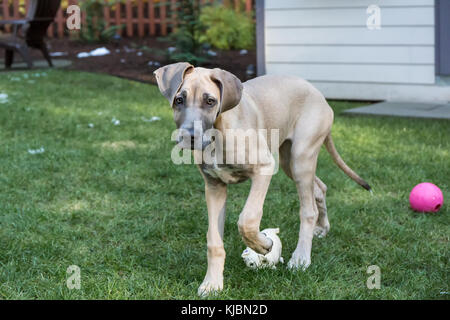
191, 132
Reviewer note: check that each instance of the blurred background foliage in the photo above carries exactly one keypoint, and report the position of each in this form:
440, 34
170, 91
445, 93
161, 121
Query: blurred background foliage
218, 24
225, 28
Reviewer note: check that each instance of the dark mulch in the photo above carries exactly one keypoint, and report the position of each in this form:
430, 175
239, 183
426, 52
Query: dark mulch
129, 58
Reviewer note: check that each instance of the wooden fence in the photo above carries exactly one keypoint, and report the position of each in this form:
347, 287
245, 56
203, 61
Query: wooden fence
138, 17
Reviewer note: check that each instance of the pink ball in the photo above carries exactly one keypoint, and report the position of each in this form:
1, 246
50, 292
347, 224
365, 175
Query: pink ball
426, 197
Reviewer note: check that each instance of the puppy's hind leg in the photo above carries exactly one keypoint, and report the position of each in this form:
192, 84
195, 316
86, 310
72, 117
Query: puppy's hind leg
303, 171
323, 225
310, 133
320, 190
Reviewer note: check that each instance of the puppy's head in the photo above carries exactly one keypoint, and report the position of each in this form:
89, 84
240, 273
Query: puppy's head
197, 97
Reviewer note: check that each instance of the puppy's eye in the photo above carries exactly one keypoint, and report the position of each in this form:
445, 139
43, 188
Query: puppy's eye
210, 101
179, 100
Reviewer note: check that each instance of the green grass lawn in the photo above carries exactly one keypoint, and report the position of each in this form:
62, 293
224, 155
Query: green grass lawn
108, 199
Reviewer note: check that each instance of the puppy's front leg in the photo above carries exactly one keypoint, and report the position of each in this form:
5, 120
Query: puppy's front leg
216, 194
250, 217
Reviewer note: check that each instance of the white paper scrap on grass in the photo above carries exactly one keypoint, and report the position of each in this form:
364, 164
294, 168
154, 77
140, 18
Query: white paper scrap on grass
58, 54
43, 74
83, 55
115, 121
99, 52
36, 151
151, 119
154, 63
3, 98
128, 50
94, 53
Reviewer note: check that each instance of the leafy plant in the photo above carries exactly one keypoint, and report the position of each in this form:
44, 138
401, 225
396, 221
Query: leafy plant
225, 29
95, 28
186, 36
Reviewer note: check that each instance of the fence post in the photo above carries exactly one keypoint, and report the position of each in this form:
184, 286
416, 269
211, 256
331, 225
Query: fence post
129, 17
140, 18
106, 14
151, 16
237, 5
173, 7
6, 14
162, 17
60, 22
118, 17
16, 14
248, 6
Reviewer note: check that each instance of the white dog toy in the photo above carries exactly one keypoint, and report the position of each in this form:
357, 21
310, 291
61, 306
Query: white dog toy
256, 260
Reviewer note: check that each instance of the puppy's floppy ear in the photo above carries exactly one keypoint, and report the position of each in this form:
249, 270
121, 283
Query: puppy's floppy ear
230, 88
170, 78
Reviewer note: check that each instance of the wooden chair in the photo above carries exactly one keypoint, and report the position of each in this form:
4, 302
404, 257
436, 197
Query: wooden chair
30, 32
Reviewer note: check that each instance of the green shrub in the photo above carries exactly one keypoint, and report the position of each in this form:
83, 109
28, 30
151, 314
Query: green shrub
186, 36
95, 29
227, 29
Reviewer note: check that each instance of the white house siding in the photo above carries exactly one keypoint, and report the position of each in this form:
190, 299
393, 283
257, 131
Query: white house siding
328, 43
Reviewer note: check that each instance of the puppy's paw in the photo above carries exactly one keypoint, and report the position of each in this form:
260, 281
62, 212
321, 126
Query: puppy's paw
261, 249
259, 242
210, 287
297, 262
320, 231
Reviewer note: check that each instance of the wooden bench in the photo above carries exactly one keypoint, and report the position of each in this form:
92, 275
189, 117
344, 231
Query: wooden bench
29, 32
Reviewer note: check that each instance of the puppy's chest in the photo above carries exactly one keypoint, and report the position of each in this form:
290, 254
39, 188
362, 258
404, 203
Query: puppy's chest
226, 173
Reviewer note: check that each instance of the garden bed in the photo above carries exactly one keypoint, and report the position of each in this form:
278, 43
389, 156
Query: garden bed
129, 58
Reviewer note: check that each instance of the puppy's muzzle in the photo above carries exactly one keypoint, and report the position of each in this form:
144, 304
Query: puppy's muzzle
190, 139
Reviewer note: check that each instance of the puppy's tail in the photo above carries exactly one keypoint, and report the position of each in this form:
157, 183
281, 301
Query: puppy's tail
329, 145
